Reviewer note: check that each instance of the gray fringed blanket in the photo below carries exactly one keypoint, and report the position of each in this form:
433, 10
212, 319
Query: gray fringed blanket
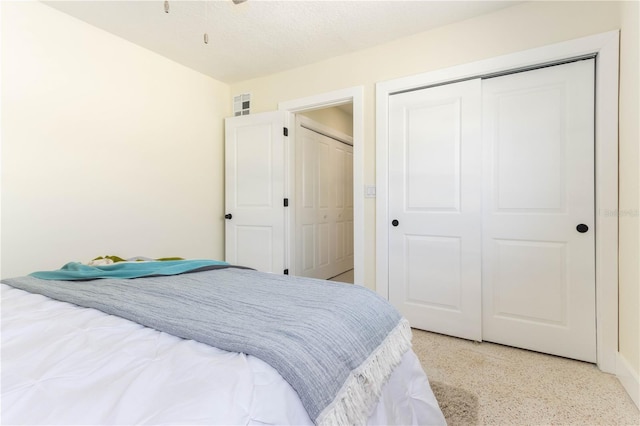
336, 344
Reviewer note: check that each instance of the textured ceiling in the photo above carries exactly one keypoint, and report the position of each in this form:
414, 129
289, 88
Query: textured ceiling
261, 37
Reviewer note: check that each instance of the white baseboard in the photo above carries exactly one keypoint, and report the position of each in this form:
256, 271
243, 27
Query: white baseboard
629, 379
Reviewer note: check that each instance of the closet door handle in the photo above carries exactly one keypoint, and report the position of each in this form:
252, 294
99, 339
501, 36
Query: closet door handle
582, 228
228, 216
395, 222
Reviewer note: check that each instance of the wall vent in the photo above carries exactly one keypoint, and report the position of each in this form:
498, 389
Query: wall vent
241, 104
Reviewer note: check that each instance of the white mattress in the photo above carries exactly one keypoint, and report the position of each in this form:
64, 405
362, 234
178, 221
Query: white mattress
62, 364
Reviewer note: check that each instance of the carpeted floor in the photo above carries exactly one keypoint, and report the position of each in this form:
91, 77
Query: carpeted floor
347, 277
489, 384
459, 406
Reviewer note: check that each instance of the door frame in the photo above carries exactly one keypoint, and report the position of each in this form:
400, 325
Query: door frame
605, 47
354, 95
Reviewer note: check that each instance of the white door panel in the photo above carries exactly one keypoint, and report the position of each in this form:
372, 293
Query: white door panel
342, 254
538, 270
433, 156
324, 203
254, 247
254, 191
530, 282
435, 175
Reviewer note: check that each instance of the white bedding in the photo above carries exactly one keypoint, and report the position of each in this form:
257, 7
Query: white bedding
62, 364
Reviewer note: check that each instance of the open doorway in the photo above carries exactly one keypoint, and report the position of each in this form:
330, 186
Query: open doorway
323, 222
353, 96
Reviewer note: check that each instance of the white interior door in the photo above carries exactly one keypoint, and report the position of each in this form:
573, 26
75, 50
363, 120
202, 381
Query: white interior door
538, 269
435, 197
324, 203
254, 191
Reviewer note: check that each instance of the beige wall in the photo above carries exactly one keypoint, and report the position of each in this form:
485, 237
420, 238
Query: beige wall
107, 148
334, 117
509, 30
629, 287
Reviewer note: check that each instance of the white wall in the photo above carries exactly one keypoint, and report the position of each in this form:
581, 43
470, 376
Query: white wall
107, 148
513, 29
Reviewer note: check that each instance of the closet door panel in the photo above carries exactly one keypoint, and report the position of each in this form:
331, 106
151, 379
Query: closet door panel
343, 207
538, 269
432, 147
324, 205
529, 150
437, 261
435, 206
530, 282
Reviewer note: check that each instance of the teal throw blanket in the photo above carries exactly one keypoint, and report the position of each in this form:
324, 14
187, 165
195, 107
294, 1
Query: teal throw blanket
75, 271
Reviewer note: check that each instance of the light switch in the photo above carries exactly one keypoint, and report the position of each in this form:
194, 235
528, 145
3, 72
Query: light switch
370, 191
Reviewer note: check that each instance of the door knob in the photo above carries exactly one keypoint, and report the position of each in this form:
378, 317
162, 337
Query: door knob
394, 222
582, 228
228, 216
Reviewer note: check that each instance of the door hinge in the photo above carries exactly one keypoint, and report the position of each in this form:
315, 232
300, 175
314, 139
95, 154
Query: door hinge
286, 131
286, 202
286, 272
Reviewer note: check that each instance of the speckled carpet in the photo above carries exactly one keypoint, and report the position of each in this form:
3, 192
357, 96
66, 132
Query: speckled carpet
489, 384
460, 407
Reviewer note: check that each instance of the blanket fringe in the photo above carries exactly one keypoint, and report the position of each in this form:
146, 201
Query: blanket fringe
362, 389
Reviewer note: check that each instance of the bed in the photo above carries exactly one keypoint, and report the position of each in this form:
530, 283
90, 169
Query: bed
216, 344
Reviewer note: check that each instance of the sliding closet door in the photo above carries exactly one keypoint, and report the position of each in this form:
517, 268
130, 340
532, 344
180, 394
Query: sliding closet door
435, 208
539, 248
